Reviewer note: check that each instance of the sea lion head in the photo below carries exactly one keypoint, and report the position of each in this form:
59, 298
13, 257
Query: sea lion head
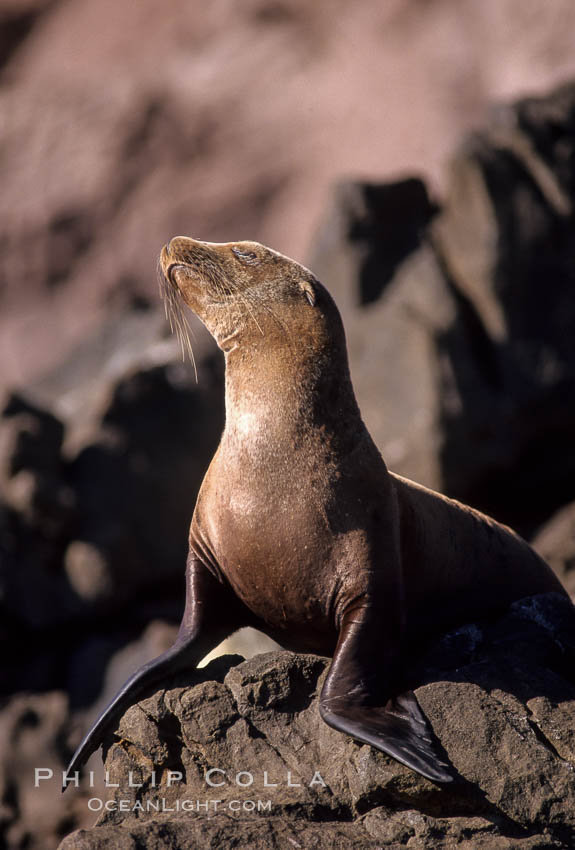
242, 289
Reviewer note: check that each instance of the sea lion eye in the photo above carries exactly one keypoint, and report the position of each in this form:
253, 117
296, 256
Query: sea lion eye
249, 257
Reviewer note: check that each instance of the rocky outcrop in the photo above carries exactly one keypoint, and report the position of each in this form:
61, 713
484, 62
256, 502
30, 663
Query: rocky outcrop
513, 188
33, 729
95, 513
500, 697
168, 120
462, 330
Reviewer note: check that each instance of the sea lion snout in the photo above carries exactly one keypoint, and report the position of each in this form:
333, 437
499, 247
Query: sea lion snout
187, 255
178, 246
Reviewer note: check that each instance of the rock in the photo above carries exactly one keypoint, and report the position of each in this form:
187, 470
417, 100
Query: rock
98, 510
499, 695
555, 542
223, 831
33, 732
461, 332
37, 514
34, 440
87, 571
96, 506
137, 478
31, 469
509, 382
391, 340
17, 20
107, 155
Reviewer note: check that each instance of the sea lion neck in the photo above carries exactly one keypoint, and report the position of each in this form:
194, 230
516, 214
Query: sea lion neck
283, 399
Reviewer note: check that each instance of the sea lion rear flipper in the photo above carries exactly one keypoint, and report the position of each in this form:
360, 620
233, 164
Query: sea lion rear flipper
355, 699
211, 615
399, 729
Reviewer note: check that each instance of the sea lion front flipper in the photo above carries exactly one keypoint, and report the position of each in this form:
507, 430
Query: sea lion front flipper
211, 614
355, 699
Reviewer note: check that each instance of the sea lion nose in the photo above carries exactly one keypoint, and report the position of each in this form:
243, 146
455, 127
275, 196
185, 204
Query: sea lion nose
179, 245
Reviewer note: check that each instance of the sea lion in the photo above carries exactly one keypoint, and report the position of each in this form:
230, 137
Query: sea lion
299, 529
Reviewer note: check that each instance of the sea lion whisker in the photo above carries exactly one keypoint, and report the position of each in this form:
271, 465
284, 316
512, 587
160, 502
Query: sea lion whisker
174, 307
252, 298
282, 326
184, 333
251, 312
230, 291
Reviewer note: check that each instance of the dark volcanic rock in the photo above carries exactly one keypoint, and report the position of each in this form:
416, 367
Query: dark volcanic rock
105, 491
136, 482
509, 410
462, 331
500, 697
38, 514
33, 729
95, 502
393, 356
17, 20
32, 479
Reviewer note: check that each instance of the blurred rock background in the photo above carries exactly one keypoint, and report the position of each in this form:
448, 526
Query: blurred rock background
419, 156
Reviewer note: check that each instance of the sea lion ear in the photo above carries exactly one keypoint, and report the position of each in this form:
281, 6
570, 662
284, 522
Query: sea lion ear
306, 287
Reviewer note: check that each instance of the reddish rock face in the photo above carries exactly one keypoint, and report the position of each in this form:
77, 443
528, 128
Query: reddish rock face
125, 124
